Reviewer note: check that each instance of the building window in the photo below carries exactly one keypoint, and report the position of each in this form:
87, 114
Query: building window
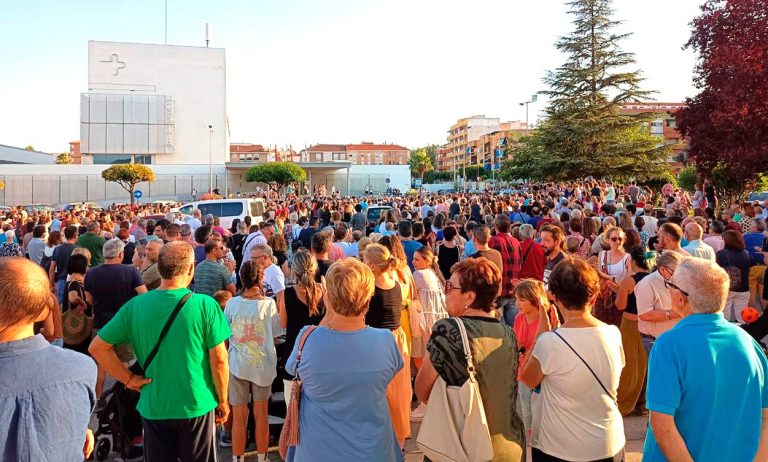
109, 159
142, 159
671, 123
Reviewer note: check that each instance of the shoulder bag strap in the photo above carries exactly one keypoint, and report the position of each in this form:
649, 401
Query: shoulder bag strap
467, 348
525, 255
302, 341
164, 332
590, 369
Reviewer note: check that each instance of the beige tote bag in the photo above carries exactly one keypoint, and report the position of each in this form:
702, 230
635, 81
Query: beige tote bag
454, 428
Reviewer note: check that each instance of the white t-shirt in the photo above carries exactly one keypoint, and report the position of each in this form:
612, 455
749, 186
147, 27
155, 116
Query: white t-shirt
576, 419
274, 280
251, 241
254, 324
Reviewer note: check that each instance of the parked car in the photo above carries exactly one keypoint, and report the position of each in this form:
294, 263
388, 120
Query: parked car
373, 214
40, 208
228, 209
758, 196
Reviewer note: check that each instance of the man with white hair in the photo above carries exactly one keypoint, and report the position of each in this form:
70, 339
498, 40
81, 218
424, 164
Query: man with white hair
654, 305
274, 279
107, 288
696, 247
707, 389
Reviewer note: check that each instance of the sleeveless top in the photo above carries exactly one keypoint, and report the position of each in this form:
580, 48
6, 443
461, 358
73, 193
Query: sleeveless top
617, 269
298, 316
384, 308
631, 300
447, 258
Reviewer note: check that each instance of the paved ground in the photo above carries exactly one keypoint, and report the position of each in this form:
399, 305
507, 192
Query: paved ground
634, 428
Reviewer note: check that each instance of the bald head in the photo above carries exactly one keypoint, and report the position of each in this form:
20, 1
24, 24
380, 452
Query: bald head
24, 292
176, 260
693, 231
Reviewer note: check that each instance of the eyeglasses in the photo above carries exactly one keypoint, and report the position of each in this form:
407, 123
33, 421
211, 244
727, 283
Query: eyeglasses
449, 286
669, 285
616, 239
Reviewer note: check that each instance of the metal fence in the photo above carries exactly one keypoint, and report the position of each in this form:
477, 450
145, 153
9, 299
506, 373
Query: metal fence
56, 190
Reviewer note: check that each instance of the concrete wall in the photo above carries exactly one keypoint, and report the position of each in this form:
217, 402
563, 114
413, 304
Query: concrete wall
194, 77
61, 184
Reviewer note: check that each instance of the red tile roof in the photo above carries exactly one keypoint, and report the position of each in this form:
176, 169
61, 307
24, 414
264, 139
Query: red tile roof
327, 148
375, 147
246, 148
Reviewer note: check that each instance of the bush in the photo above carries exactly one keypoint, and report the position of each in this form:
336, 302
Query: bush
687, 178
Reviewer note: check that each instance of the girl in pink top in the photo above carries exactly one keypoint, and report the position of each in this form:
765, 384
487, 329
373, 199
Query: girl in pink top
531, 299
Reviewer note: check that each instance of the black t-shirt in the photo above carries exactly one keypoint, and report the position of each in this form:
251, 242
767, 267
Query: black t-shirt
305, 236
384, 308
454, 209
735, 262
550, 266
61, 256
111, 287
322, 268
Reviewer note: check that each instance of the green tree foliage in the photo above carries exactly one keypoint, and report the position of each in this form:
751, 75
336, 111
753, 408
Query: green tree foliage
128, 176
63, 158
30, 148
687, 178
583, 132
437, 177
280, 173
420, 162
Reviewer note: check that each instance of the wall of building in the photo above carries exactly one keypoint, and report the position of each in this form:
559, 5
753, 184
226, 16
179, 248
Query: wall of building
194, 77
61, 184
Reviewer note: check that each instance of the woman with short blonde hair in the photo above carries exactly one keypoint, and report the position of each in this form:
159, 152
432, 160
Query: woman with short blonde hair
346, 419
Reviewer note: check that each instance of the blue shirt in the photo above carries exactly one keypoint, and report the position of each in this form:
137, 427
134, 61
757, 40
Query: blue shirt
711, 376
46, 397
344, 413
469, 248
410, 248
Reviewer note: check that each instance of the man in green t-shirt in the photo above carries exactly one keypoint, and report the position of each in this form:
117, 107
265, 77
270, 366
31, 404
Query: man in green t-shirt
93, 242
189, 376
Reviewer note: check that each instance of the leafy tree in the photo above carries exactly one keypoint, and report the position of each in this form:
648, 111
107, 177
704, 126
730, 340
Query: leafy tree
726, 121
280, 173
63, 158
687, 178
583, 132
128, 176
437, 177
30, 148
420, 163
2, 184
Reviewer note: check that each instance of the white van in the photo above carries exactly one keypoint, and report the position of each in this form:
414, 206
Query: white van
228, 209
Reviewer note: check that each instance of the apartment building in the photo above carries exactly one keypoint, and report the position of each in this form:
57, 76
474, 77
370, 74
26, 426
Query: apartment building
665, 127
365, 153
477, 140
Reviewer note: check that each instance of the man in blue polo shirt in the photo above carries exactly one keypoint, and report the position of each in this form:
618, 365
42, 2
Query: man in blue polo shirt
707, 389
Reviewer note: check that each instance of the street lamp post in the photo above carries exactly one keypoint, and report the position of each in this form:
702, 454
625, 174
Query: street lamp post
210, 158
526, 103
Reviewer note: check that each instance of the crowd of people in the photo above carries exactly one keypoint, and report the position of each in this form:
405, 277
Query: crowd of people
581, 302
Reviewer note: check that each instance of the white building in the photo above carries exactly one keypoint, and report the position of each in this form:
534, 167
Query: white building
154, 104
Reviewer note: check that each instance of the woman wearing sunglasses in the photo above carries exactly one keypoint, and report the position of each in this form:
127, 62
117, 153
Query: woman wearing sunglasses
613, 266
469, 294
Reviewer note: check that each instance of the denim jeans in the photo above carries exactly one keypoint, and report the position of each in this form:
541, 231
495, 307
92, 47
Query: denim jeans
508, 309
61, 287
648, 343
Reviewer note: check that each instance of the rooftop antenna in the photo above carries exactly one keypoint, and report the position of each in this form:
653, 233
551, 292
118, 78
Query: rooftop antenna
207, 34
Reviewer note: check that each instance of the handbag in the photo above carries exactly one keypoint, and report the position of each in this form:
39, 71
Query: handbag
137, 368
76, 326
289, 435
454, 428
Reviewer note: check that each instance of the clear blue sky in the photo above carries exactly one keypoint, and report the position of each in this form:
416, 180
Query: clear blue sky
335, 71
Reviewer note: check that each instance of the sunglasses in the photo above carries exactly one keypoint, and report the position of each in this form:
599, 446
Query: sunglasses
616, 239
449, 286
669, 285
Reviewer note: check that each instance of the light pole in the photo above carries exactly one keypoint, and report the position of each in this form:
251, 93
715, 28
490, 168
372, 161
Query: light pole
210, 158
526, 103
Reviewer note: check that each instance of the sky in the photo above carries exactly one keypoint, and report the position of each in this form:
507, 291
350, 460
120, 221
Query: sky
301, 72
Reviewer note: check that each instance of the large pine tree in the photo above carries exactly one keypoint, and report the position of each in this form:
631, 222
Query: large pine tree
583, 132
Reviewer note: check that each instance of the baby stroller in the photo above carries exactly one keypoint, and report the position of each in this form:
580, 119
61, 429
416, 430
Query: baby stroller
119, 419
